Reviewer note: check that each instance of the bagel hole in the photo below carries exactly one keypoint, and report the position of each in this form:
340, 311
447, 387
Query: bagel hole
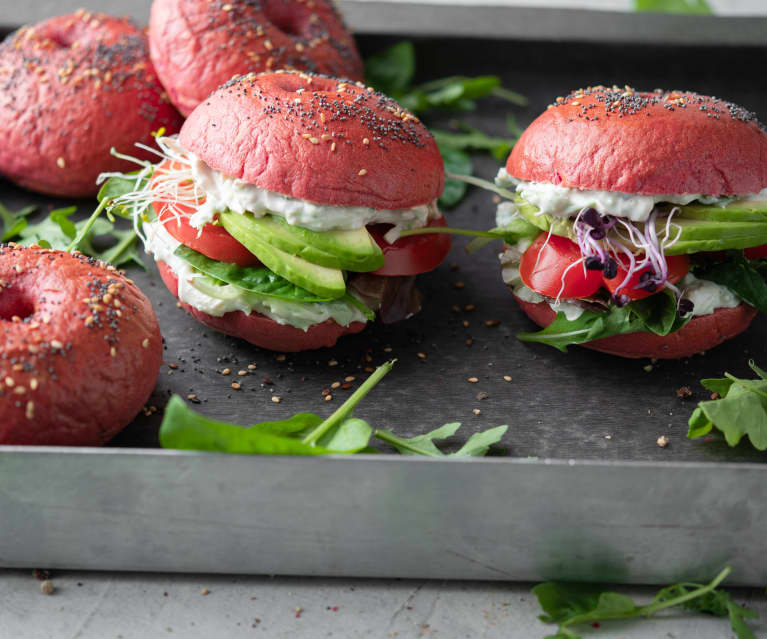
284, 17
14, 303
63, 39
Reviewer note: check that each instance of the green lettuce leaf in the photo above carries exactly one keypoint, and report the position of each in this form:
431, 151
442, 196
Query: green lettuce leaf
476, 446
743, 277
653, 314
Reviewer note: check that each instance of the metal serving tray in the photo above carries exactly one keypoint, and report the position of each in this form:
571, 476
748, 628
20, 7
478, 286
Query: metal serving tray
578, 489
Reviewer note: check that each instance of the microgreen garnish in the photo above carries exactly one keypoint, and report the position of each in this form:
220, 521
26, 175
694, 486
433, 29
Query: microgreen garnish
740, 410
572, 604
306, 433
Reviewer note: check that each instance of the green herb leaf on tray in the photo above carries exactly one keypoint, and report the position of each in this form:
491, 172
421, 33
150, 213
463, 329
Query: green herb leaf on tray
674, 6
391, 70
741, 409
14, 222
308, 434
743, 277
455, 162
571, 604
473, 139
476, 446
655, 314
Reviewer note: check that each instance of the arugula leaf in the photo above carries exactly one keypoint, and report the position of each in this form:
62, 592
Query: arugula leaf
55, 231
14, 222
568, 604
303, 434
476, 446
652, 314
700, 7
257, 279
741, 276
391, 70
455, 162
474, 139
741, 410
120, 185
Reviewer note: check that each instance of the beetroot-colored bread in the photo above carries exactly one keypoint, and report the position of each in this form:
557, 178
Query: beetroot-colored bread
71, 88
643, 143
80, 348
197, 45
318, 139
261, 330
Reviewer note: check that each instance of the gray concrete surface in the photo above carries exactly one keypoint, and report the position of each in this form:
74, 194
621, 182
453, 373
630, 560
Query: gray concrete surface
88, 605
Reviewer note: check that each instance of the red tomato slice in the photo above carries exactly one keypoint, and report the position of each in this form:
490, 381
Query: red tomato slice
678, 266
756, 252
413, 254
544, 263
213, 242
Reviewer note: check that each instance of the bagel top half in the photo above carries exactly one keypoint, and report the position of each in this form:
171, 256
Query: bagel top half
316, 138
661, 142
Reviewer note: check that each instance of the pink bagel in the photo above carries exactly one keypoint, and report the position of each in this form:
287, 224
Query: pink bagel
316, 138
261, 330
80, 348
197, 45
71, 88
643, 143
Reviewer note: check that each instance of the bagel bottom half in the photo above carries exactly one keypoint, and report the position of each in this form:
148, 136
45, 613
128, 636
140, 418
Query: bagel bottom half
699, 334
261, 330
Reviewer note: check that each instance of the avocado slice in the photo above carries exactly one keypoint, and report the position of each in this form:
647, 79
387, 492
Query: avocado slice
734, 212
355, 248
351, 250
713, 235
320, 280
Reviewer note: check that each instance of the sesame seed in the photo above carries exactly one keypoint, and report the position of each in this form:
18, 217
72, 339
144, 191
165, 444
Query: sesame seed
236, 386
61, 162
472, 380
476, 411
365, 141
30, 410
20, 390
276, 399
314, 140
226, 371
113, 352
362, 172
241, 373
191, 396
350, 378
332, 362
507, 378
335, 385
280, 357
662, 441
328, 398
251, 367
145, 343
227, 7
9, 381
57, 344
333, 147
421, 355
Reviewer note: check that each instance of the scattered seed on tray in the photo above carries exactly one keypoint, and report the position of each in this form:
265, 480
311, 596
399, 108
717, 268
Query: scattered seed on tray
459, 284
472, 380
349, 378
335, 385
684, 392
47, 587
493, 322
482, 395
280, 357
236, 386
226, 371
507, 378
276, 399
421, 355
333, 362
662, 441
476, 411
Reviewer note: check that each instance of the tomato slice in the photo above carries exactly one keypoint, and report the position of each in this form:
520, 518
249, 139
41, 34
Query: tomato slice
543, 268
413, 254
678, 266
213, 241
756, 252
